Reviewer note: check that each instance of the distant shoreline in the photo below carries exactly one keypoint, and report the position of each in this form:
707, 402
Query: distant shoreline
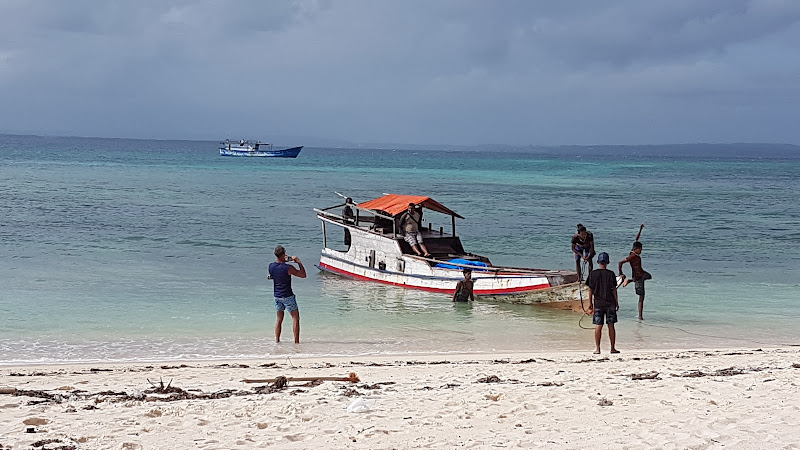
733, 149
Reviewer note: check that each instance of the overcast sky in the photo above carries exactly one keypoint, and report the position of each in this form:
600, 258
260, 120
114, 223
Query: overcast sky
426, 72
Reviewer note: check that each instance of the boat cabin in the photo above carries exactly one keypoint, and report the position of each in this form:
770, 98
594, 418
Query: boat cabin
244, 144
381, 219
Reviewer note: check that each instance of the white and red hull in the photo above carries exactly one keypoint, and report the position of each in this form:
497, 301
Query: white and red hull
375, 257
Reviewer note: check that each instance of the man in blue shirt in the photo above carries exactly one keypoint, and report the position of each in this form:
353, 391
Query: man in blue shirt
281, 273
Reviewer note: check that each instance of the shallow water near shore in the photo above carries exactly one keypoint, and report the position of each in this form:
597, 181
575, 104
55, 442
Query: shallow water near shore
119, 249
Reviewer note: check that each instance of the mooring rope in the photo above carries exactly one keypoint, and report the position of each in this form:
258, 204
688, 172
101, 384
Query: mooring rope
580, 293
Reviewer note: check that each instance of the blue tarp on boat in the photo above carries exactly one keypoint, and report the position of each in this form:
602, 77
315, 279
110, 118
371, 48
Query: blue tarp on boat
465, 262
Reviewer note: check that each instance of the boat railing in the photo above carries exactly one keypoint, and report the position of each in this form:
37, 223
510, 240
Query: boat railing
369, 211
329, 214
343, 222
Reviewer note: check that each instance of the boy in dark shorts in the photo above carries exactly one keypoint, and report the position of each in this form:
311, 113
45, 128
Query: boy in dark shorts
604, 301
638, 275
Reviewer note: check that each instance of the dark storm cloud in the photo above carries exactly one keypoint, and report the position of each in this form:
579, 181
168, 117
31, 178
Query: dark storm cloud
417, 71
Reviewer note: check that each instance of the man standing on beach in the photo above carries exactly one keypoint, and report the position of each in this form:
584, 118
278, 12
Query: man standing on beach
281, 273
604, 301
638, 275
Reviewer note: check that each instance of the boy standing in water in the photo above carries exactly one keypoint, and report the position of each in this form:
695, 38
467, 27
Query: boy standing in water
604, 301
638, 275
463, 291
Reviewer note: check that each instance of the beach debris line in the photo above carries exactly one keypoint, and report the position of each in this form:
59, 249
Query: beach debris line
605, 402
490, 379
168, 392
351, 378
161, 389
279, 384
730, 371
182, 366
376, 385
350, 392
44, 442
645, 376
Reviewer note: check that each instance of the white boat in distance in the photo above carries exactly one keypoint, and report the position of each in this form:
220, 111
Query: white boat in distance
243, 147
373, 249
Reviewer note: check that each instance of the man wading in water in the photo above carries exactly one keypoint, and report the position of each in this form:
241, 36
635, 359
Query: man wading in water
464, 288
638, 275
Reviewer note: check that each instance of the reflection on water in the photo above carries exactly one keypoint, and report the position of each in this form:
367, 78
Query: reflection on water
352, 295
433, 322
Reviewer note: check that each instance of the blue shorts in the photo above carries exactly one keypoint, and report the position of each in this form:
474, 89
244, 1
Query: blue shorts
285, 303
610, 315
583, 252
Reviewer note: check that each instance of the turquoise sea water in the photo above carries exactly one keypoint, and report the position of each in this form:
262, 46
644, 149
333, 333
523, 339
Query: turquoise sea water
114, 249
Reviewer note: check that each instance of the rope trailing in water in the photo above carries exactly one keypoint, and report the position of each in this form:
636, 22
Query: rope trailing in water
641, 322
586, 313
580, 293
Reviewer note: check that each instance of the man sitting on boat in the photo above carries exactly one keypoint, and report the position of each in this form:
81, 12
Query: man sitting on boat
411, 223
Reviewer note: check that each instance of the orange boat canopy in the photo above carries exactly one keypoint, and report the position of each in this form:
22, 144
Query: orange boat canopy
394, 204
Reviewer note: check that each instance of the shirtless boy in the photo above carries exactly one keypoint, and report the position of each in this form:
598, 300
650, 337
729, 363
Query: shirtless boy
638, 275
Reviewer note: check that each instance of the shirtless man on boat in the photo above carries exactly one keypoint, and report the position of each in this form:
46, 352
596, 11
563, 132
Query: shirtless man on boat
412, 222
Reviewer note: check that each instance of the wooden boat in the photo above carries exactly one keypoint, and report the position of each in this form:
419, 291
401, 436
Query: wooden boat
243, 147
373, 249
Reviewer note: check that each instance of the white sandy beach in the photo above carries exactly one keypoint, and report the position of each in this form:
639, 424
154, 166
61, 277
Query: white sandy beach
685, 399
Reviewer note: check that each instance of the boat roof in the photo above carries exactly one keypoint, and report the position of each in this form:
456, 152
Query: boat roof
396, 204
